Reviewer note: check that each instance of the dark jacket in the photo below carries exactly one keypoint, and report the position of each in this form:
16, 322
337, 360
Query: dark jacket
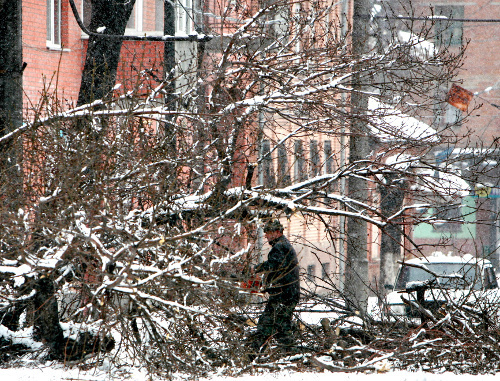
282, 271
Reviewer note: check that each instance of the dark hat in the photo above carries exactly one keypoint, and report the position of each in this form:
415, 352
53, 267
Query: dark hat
272, 226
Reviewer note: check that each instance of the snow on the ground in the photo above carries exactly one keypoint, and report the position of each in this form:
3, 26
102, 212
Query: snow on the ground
73, 374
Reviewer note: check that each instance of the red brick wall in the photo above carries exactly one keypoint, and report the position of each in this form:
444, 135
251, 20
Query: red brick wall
136, 57
44, 63
61, 69
482, 68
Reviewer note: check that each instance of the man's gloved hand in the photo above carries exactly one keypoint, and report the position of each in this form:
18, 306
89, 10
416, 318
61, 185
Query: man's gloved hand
253, 284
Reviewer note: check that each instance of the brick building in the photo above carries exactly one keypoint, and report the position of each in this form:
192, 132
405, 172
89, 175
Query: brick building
54, 46
475, 155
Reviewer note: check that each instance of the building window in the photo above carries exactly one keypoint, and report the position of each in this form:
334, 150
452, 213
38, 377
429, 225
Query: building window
325, 270
283, 170
449, 219
297, 19
267, 170
86, 12
448, 31
184, 17
329, 165
300, 163
314, 157
131, 21
280, 23
134, 23
453, 116
159, 14
54, 23
446, 115
310, 273
137, 23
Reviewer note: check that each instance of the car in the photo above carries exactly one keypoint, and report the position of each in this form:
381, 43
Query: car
439, 280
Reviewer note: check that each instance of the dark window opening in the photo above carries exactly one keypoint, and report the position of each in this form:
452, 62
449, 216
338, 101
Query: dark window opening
448, 31
325, 270
283, 170
267, 171
449, 219
314, 157
329, 165
310, 272
300, 163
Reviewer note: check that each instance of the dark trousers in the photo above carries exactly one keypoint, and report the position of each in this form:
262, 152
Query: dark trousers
276, 321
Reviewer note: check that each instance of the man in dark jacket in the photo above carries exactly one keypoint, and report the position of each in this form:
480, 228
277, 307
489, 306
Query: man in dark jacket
281, 274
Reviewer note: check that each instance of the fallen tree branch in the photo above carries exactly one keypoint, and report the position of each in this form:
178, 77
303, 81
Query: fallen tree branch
333, 368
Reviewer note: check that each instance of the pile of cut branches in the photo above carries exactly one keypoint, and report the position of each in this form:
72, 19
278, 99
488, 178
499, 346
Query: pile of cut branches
459, 338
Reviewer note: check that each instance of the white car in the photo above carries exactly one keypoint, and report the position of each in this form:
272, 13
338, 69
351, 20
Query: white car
438, 279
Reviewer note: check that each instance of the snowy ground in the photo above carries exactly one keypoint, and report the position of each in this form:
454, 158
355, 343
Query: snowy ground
61, 374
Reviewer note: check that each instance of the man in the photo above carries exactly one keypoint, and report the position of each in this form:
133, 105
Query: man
282, 282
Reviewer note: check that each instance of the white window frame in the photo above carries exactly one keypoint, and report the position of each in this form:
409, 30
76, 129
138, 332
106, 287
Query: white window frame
159, 16
446, 30
296, 15
84, 17
138, 13
184, 17
53, 24
452, 116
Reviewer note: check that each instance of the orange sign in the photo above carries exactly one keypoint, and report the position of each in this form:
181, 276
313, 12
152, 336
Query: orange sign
459, 97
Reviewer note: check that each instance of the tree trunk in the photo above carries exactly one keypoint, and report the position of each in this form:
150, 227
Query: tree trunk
169, 54
168, 127
11, 98
47, 327
103, 54
356, 271
391, 200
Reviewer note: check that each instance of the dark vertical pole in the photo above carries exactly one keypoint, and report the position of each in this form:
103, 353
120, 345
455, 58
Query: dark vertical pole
11, 97
169, 67
167, 128
356, 271
169, 52
391, 200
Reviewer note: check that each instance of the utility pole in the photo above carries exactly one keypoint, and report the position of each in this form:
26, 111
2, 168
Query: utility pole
356, 271
11, 96
169, 52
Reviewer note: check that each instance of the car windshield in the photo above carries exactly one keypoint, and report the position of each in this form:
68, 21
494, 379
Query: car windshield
450, 275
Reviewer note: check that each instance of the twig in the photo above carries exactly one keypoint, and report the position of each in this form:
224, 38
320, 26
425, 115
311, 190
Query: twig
333, 368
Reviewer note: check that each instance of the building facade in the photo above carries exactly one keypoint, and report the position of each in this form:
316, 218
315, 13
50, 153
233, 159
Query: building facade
476, 229
54, 46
